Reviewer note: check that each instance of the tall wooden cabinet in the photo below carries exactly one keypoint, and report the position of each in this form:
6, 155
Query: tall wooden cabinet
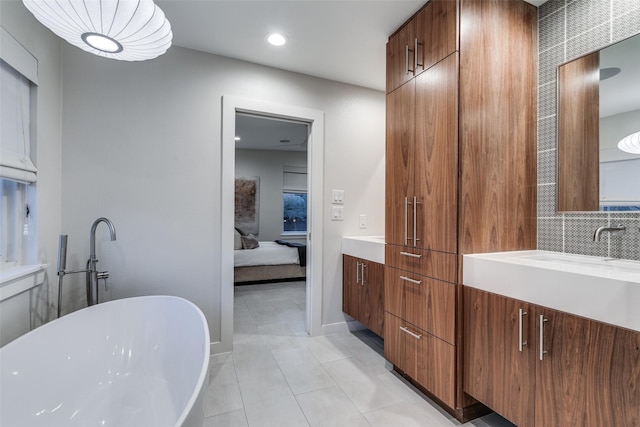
460, 173
541, 367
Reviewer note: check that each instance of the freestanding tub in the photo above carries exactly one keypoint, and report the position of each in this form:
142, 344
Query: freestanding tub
132, 362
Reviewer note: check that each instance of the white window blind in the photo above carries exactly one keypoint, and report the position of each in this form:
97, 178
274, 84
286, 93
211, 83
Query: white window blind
15, 112
294, 178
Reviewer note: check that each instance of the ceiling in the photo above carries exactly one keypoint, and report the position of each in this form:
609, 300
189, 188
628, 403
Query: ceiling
267, 133
339, 40
333, 39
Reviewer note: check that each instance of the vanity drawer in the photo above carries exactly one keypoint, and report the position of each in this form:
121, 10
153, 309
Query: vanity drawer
439, 265
425, 302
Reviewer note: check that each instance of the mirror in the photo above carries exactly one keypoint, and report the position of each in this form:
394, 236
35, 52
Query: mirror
598, 106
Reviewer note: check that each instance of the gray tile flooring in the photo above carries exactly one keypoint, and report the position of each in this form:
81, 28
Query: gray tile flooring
279, 376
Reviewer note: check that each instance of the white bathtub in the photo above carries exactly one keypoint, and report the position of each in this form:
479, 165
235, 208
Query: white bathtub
132, 362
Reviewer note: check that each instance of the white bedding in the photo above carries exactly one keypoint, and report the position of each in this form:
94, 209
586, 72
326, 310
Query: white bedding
268, 253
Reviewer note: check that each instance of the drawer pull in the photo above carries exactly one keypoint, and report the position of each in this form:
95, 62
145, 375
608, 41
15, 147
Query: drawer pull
405, 329
408, 279
411, 255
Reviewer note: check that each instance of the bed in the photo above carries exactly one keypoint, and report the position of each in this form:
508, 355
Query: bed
269, 262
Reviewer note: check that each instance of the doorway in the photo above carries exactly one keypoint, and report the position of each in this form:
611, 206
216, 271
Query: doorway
231, 106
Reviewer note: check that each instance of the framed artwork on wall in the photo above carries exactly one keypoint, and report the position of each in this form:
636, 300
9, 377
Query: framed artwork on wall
247, 204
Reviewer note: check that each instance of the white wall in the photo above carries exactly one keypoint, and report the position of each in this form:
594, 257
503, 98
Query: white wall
268, 165
142, 147
42, 44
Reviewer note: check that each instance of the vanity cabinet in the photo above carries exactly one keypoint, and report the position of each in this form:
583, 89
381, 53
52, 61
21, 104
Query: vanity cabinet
460, 171
363, 292
541, 367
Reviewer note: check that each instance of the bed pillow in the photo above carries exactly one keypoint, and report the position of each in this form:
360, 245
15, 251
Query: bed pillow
237, 240
249, 242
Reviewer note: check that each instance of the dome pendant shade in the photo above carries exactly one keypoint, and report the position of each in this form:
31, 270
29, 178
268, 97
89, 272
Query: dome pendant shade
630, 143
128, 30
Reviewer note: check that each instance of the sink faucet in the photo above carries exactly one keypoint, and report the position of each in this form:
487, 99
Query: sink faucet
615, 231
92, 272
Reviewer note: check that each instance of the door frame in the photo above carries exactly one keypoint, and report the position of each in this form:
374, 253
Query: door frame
315, 165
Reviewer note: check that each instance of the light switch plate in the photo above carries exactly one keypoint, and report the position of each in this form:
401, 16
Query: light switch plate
337, 196
337, 213
363, 221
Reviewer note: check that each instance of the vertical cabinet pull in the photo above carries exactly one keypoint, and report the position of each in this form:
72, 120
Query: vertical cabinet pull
521, 342
416, 63
406, 60
363, 279
405, 329
357, 272
415, 221
406, 220
542, 350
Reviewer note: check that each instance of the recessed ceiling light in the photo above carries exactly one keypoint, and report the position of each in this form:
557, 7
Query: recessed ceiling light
276, 39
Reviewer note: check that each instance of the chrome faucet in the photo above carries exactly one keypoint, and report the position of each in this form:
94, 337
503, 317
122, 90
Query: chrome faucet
93, 275
615, 231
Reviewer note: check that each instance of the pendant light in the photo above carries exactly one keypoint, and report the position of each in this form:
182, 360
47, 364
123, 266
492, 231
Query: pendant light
129, 30
630, 143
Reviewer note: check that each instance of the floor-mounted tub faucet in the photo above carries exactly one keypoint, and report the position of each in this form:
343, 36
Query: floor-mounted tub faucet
615, 231
93, 275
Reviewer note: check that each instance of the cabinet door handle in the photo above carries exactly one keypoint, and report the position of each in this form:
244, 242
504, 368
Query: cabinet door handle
521, 342
415, 221
416, 63
410, 255
406, 60
542, 350
357, 272
405, 329
362, 276
406, 220
408, 279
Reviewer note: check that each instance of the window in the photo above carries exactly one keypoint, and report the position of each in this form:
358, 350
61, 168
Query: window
294, 200
295, 211
18, 75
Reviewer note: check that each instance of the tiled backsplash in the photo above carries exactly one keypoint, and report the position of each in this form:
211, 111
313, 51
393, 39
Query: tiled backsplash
569, 29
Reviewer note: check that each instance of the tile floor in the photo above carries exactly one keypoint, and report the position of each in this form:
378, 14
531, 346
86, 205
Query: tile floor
279, 376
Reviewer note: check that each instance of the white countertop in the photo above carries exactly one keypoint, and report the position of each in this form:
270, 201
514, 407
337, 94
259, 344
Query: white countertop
598, 288
370, 248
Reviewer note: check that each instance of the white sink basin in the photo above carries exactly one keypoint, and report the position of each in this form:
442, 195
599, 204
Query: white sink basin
366, 247
599, 288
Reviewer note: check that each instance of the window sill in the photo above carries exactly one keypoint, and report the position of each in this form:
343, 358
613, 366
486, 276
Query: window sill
16, 280
293, 234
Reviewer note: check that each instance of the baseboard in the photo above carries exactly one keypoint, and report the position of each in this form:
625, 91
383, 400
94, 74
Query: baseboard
335, 328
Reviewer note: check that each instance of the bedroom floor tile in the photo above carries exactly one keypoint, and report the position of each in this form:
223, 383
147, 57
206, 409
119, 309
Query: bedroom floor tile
279, 376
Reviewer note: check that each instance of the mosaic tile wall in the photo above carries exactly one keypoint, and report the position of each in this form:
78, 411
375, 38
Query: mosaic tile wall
569, 29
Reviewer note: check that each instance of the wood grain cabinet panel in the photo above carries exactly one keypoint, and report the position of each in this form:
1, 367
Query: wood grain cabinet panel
613, 371
363, 292
400, 56
400, 137
393, 340
497, 370
578, 134
439, 265
436, 156
570, 370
